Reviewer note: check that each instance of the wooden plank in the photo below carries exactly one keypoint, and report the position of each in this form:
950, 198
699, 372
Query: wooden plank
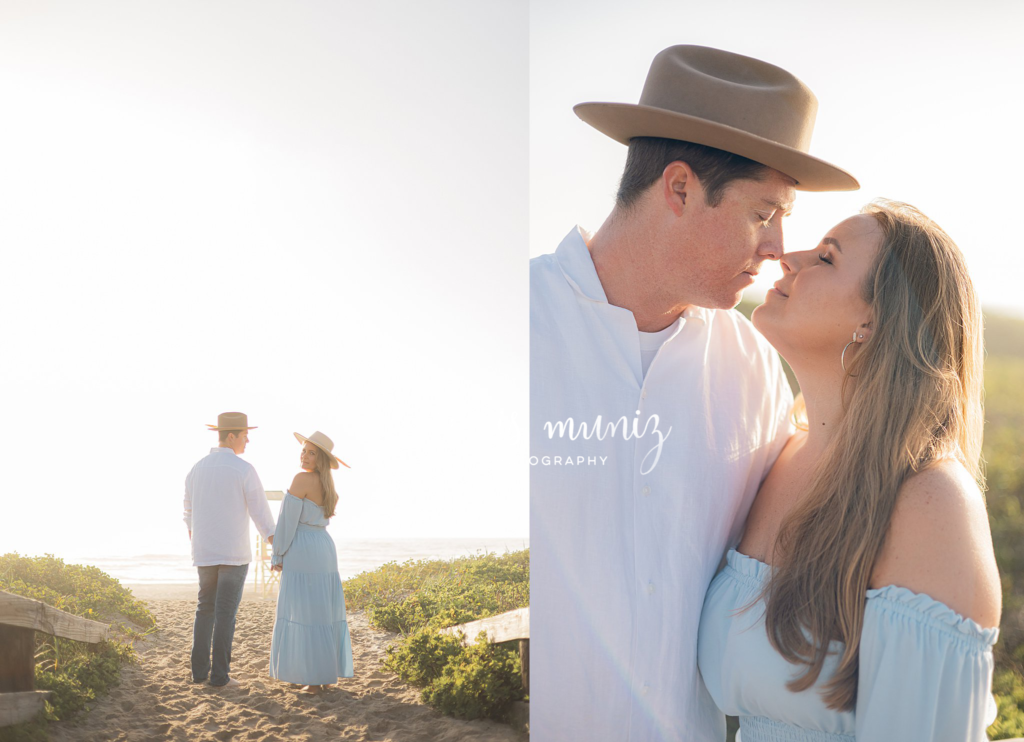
17, 659
16, 708
524, 663
16, 610
504, 627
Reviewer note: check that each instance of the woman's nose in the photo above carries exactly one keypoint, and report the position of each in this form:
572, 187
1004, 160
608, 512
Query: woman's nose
793, 262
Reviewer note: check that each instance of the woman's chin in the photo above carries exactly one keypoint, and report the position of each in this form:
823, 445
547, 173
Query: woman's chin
757, 317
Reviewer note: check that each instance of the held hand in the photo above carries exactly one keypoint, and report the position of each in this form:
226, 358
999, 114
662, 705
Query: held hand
270, 540
190, 535
276, 568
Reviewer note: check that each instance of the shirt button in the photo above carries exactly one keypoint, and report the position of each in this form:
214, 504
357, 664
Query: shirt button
646, 490
650, 588
643, 394
645, 689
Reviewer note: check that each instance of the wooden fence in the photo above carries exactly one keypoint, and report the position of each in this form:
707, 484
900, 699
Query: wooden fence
20, 618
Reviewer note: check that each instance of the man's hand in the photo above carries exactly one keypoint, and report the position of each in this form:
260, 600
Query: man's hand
190, 535
276, 568
270, 539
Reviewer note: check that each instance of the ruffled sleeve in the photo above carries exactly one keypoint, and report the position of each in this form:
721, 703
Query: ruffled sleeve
925, 671
287, 523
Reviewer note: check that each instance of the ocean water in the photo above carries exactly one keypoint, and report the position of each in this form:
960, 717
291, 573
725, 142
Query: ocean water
354, 556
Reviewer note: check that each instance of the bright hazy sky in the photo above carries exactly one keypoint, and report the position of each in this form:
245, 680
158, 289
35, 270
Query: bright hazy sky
921, 101
312, 212
317, 213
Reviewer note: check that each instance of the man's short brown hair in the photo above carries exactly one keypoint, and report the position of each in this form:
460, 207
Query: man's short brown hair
222, 435
715, 168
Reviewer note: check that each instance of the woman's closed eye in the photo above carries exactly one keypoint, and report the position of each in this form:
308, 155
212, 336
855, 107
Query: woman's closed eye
824, 258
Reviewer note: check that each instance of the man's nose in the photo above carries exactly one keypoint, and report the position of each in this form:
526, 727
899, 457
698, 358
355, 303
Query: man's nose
772, 245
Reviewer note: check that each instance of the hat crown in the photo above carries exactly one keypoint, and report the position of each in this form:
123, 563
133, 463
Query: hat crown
231, 421
321, 440
733, 90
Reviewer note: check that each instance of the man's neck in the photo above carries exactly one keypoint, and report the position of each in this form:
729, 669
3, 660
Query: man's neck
619, 250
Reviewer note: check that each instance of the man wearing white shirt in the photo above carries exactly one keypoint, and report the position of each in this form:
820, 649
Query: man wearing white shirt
221, 493
657, 409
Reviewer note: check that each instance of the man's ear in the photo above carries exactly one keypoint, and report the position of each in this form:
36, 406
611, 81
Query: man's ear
677, 181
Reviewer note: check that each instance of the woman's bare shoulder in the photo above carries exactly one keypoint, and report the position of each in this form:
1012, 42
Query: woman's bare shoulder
303, 484
939, 543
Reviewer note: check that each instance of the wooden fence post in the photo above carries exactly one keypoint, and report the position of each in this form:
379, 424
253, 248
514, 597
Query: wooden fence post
17, 659
20, 618
524, 662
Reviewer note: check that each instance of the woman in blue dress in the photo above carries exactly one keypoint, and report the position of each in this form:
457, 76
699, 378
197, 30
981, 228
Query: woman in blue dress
310, 645
863, 600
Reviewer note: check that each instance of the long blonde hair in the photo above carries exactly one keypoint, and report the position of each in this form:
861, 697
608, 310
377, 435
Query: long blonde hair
323, 468
912, 396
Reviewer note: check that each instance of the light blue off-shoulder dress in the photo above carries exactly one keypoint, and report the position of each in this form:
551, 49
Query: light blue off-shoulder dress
925, 672
311, 643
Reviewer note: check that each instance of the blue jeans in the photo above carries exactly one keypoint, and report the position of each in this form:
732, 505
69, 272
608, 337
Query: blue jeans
220, 592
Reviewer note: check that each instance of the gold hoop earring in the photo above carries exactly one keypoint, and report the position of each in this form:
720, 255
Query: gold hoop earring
842, 358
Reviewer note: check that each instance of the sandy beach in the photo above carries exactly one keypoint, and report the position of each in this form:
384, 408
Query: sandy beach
157, 700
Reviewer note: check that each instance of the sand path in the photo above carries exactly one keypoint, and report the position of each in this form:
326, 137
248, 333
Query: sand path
157, 700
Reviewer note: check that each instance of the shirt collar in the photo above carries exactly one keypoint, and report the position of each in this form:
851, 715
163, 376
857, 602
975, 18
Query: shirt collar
698, 313
577, 266
215, 449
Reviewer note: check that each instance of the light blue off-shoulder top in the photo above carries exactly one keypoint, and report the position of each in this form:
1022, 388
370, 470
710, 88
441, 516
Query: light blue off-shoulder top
296, 514
925, 671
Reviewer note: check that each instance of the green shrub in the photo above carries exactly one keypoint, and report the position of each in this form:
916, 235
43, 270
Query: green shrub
406, 616
484, 584
79, 589
1004, 464
481, 682
76, 672
34, 731
82, 677
422, 657
1008, 688
418, 598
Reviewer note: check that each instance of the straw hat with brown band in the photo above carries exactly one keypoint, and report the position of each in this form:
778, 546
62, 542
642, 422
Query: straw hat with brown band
325, 444
730, 102
232, 421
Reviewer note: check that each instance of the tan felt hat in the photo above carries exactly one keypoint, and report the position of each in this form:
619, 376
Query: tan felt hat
325, 444
727, 101
232, 421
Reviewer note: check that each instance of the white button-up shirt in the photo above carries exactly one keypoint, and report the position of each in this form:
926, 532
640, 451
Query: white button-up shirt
629, 524
221, 493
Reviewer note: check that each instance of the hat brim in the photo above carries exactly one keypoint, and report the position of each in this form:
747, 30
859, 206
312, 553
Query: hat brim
623, 121
214, 427
334, 459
